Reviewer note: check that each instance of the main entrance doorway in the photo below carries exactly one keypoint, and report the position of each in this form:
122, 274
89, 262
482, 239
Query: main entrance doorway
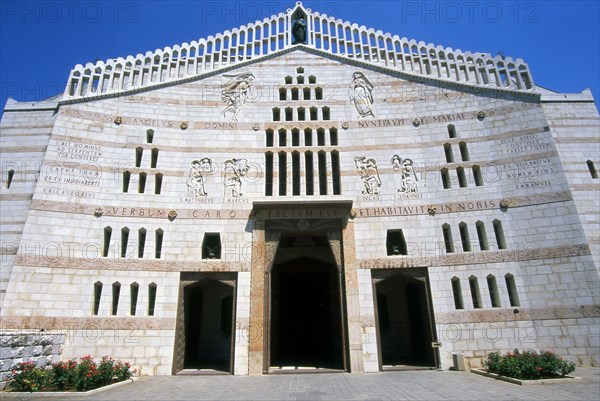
306, 327
404, 319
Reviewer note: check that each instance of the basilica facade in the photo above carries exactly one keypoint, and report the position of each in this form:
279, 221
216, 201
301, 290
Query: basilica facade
303, 193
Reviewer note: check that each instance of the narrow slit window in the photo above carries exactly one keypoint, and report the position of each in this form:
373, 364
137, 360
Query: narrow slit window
333, 137
475, 295
149, 136
295, 137
313, 114
126, 179
152, 287
141, 242
448, 153
448, 242
493, 289
306, 93
134, 290
107, 235
326, 113
511, 287
457, 293
464, 237
154, 158
295, 93
320, 137
446, 179
592, 169
300, 79
312, 79
158, 179
97, 297
310, 178
319, 93
464, 152
335, 173
211, 246
477, 177
462, 178
269, 138
289, 114
482, 236
322, 173
295, 173
301, 114
142, 183
395, 243
282, 138
9, 177
116, 292
124, 241
159, 234
282, 93
308, 137
268, 174
499, 232
282, 174
139, 152
451, 131
276, 114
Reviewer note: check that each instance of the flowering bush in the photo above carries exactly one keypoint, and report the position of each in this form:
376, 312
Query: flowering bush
528, 365
67, 375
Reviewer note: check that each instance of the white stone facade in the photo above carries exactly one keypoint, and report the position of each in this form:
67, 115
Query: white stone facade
517, 225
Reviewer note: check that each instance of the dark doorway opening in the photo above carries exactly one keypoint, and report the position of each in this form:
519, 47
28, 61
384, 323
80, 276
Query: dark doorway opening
208, 323
404, 319
306, 306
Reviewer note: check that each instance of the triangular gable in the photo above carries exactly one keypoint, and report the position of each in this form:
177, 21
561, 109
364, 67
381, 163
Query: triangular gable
297, 27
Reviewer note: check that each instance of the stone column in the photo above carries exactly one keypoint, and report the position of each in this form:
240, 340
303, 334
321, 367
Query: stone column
257, 300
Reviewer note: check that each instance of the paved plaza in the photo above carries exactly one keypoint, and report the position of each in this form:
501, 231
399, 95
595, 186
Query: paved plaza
405, 385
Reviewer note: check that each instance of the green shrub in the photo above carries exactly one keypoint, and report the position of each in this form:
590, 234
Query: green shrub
528, 365
67, 375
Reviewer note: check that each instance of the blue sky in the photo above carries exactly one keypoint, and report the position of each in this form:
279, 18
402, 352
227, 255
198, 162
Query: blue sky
41, 41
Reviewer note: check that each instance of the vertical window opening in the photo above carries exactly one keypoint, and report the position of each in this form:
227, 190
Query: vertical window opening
320, 137
301, 114
462, 178
475, 296
333, 137
464, 237
124, 241
446, 179
288, 80
9, 177
592, 169
310, 179
150, 136
477, 176
295, 173
268, 174
395, 243
295, 94
141, 242
464, 152
493, 289
499, 232
159, 240
154, 158
313, 114
142, 183
107, 235
97, 297
134, 290
482, 236
289, 114
300, 79
326, 113
276, 114
126, 179
211, 246
448, 153
318, 93
307, 137
295, 137
138, 156
448, 242
451, 131
116, 291
282, 138
306, 93
282, 173
151, 298
158, 178
335, 172
322, 173
282, 93
511, 287
312, 79
457, 293
269, 138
